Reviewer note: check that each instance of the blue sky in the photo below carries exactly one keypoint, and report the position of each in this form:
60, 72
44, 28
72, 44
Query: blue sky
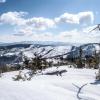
52, 20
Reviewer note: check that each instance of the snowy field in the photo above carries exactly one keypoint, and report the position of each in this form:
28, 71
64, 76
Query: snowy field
52, 87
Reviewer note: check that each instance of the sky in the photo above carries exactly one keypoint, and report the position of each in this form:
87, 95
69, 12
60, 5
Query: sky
49, 20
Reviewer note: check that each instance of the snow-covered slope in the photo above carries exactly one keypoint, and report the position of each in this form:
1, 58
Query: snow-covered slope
54, 50
29, 50
90, 49
87, 50
45, 87
17, 52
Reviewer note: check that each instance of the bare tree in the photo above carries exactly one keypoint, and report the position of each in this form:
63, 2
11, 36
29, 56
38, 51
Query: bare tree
39, 61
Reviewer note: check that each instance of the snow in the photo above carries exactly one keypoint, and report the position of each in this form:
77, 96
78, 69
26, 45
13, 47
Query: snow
51, 87
57, 50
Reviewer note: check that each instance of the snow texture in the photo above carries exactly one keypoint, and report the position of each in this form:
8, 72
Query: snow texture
51, 87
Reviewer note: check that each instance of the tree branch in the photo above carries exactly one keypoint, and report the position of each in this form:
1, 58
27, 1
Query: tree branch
79, 90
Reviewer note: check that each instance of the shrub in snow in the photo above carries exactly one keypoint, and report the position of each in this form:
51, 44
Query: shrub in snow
19, 77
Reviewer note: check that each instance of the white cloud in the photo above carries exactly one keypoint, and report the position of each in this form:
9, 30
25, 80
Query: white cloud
17, 18
86, 17
13, 18
40, 23
79, 36
23, 31
82, 17
72, 36
2, 1
31, 29
67, 18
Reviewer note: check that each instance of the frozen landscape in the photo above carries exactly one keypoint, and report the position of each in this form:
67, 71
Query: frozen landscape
52, 87
75, 84
49, 49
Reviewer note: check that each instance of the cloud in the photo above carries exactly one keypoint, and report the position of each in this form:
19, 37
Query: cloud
86, 17
18, 34
35, 28
33, 37
40, 23
79, 36
82, 17
23, 31
2, 1
72, 36
17, 18
67, 18
13, 18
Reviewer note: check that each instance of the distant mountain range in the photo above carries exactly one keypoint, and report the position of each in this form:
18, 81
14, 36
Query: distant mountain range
39, 43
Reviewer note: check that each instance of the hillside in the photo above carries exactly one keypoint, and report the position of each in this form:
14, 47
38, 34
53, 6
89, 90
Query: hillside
13, 53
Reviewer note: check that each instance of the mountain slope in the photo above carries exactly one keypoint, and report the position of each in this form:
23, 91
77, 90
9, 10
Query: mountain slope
14, 51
